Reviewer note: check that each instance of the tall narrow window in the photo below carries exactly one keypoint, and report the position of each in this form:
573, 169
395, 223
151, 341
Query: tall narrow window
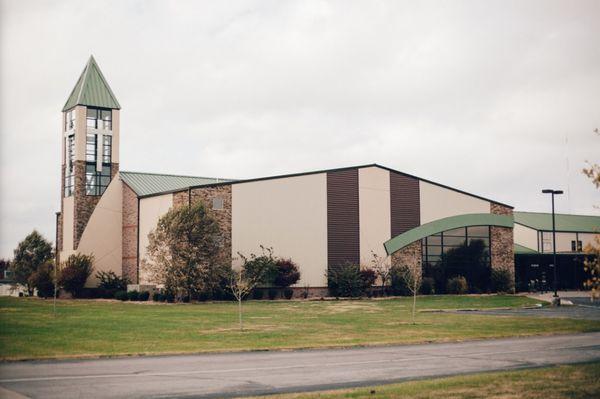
107, 149
70, 157
96, 145
70, 120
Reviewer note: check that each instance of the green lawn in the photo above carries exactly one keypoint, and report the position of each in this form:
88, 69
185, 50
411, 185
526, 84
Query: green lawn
81, 328
575, 381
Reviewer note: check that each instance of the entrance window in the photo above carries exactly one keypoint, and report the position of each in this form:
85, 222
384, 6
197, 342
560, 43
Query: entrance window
436, 248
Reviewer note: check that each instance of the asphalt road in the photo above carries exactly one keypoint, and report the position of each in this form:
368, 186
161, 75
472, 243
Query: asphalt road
237, 374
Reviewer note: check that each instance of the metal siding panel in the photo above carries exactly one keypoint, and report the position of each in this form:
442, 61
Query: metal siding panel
343, 229
405, 206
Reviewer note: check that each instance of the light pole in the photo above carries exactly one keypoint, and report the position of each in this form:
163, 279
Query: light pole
554, 192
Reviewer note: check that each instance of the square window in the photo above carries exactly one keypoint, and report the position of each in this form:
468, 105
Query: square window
217, 203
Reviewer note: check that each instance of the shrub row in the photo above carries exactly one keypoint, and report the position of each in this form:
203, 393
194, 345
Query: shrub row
132, 296
273, 293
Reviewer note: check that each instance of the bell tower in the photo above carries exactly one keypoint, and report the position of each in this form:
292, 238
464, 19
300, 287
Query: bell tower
90, 153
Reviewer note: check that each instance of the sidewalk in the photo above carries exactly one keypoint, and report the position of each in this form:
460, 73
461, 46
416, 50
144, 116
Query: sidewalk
547, 296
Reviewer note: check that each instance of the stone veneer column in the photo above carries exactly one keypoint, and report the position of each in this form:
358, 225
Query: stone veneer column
130, 235
502, 246
222, 216
410, 255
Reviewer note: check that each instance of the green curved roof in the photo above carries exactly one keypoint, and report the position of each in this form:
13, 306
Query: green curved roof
567, 223
92, 89
449, 223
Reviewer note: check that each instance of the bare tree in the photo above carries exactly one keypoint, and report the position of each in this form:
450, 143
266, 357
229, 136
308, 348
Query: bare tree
243, 281
412, 275
382, 268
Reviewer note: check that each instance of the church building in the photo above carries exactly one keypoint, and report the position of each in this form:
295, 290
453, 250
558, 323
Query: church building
319, 219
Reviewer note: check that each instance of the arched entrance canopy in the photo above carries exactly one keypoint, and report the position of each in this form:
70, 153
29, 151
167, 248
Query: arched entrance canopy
449, 223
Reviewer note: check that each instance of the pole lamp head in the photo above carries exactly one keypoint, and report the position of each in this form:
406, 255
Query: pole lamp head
550, 191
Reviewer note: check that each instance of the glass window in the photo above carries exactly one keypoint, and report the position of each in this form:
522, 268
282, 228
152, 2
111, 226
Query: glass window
478, 231
434, 240
96, 182
434, 250
70, 120
460, 232
90, 147
437, 248
99, 118
454, 240
486, 240
107, 149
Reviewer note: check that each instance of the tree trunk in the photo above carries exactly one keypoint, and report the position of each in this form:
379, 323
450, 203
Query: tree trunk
240, 313
414, 302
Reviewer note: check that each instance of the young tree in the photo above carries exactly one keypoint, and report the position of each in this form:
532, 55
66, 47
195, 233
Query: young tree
30, 254
243, 281
412, 275
382, 268
184, 252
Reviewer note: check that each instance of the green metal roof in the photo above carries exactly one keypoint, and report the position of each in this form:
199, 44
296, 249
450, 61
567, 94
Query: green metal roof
92, 89
521, 250
449, 223
145, 184
569, 223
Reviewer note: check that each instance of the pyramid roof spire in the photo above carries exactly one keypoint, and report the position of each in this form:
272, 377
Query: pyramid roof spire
92, 89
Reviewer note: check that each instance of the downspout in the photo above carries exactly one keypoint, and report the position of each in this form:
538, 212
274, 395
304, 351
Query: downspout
189, 197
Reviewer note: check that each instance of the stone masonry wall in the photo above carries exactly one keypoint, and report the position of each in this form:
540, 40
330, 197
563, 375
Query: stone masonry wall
502, 249
130, 235
180, 199
223, 216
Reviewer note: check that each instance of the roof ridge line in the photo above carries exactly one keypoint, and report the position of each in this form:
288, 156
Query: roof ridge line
83, 79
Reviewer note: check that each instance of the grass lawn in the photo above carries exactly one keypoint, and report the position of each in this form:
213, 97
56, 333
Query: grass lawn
91, 328
575, 381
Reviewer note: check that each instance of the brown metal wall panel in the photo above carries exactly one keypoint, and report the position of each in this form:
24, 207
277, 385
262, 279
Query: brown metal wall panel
343, 230
404, 203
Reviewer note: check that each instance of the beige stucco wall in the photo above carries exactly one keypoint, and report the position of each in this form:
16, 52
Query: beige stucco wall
116, 119
288, 214
374, 211
525, 236
102, 235
151, 210
439, 202
67, 229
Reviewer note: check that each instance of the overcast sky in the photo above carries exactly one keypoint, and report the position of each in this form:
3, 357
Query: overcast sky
495, 98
